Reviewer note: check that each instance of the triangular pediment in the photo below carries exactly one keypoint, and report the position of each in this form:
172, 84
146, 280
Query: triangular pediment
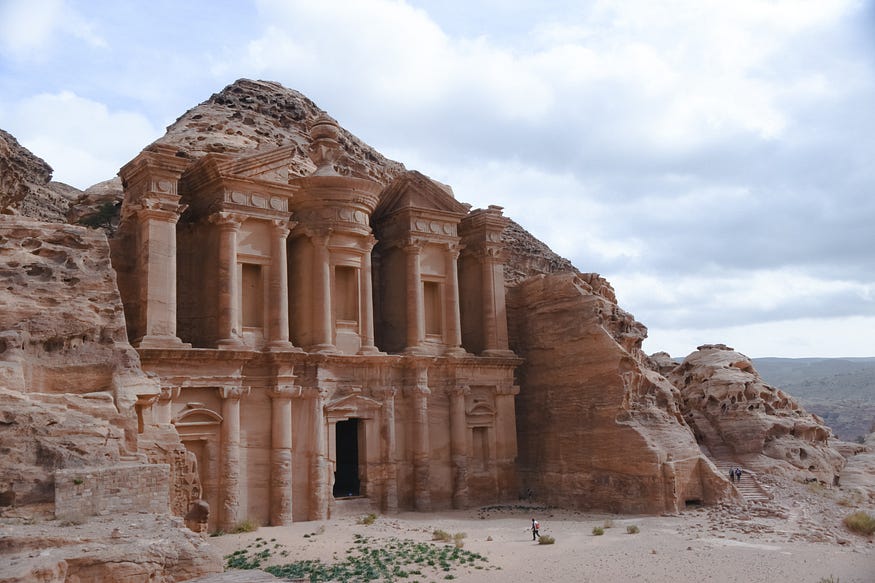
272, 166
415, 191
354, 405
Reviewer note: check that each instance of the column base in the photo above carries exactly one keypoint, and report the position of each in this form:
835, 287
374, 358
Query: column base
370, 350
499, 352
417, 351
159, 341
231, 344
282, 346
456, 352
323, 349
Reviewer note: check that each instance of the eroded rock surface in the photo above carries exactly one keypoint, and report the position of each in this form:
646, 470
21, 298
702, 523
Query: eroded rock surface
729, 406
26, 186
597, 428
129, 548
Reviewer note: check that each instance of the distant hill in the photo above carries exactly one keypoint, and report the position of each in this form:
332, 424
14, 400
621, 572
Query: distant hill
841, 390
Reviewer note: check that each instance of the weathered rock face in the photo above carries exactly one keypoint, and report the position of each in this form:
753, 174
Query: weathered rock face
26, 187
728, 404
134, 547
596, 428
262, 115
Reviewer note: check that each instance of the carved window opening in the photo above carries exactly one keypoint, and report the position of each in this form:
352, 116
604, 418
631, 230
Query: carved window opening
481, 448
252, 296
431, 292
347, 480
346, 305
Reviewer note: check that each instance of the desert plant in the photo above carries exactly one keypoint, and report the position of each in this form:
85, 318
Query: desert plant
609, 523
598, 531
632, 529
441, 535
458, 539
367, 519
78, 481
860, 522
829, 579
546, 539
247, 525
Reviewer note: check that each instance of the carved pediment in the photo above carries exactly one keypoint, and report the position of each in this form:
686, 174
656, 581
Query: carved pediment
352, 406
415, 191
197, 416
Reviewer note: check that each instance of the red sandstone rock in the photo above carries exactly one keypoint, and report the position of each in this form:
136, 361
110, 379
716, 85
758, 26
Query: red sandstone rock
26, 187
730, 406
597, 428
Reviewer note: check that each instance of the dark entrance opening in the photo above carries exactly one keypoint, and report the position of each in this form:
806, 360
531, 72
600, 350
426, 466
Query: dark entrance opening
346, 478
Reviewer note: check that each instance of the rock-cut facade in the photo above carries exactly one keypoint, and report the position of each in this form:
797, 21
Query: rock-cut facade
320, 341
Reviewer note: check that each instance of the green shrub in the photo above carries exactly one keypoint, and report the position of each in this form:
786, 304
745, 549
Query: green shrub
829, 579
458, 539
609, 523
546, 539
367, 519
632, 529
441, 535
860, 522
598, 531
247, 525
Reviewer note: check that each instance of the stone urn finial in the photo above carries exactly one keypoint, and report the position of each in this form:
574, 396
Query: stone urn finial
325, 149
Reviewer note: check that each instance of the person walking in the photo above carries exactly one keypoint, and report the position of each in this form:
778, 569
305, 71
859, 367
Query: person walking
536, 526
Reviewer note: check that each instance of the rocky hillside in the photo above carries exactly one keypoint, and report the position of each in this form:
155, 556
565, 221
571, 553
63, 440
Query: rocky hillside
737, 416
840, 390
26, 186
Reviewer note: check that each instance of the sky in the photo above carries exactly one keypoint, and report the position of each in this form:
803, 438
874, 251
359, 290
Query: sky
714, 160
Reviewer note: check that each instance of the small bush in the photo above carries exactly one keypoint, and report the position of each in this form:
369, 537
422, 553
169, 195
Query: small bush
368, 519
458, 539
860, 522
632, 529
598, 531
546, 539
247, 525
78, 481
441, 535
829, 579
609, 523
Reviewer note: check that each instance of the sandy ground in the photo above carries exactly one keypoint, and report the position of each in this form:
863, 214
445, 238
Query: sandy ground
704, 544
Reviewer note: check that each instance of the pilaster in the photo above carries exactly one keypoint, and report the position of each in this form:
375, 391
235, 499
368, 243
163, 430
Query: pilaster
459, 444
281, 453
230, 514
228, 288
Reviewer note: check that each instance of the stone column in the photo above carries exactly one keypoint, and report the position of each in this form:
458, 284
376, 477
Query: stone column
453, 317
421, 446
367, 301
231, 487
505, 439
494, 309
323, 324
459, 445
279, 288
164, 406
228, 282
157, 250
390, 485
415, 300
319, 483
281, 454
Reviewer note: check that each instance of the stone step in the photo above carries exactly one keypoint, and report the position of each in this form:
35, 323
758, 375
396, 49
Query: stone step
353, 506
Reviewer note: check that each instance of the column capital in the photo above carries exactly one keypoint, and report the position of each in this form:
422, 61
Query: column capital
507, 390
282, 227
459, 390
158, 209
413, 246
233, 393
285, 392
227, 221
454, 249
169, 393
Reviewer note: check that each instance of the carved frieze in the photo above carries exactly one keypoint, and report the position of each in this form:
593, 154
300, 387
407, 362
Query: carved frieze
256, 200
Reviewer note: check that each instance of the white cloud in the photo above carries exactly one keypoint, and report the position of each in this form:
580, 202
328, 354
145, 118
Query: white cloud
28, 28
84, 141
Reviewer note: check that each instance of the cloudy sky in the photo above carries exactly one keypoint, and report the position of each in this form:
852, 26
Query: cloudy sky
714, 160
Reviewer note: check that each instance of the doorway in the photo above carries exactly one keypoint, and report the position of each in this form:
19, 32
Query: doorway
346, 478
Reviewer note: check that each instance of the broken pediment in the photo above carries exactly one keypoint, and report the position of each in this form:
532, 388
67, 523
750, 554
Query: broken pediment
415, 191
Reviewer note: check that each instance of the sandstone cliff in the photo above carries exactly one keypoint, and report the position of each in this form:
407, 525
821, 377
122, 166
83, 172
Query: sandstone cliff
26, 186
734, 412
598, 429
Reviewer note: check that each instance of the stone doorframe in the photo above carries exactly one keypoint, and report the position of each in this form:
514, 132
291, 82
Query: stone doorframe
368, 412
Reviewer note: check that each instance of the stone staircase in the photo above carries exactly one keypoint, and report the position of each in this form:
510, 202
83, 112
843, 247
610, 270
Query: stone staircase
722, 456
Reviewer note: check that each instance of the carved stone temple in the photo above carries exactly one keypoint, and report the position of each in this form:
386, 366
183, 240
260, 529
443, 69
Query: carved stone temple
319, 338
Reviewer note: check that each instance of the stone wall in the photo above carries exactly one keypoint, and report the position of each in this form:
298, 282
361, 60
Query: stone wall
100, 491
